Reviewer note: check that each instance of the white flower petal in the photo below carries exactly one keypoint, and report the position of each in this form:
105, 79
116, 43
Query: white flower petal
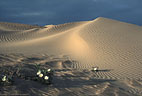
4, 78
39, 72
40, 75
95, 68
46, 77
49, 70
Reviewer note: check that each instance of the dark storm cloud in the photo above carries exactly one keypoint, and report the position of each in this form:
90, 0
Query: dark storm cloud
61, 11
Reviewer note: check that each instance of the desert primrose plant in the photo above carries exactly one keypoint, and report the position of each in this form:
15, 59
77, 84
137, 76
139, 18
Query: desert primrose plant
39, 74
6, 80
44, 75
95, 69
7, 75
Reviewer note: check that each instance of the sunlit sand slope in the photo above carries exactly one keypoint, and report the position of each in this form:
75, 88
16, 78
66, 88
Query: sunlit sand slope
114, 46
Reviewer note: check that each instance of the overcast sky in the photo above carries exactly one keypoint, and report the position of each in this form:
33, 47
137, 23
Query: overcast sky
43, 12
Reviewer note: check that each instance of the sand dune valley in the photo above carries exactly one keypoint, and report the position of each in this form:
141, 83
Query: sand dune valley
71, 50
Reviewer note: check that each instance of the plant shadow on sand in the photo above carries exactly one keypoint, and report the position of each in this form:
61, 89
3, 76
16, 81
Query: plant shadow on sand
105, 70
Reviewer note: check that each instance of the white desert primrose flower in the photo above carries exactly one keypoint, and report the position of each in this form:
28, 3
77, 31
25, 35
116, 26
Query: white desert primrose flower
39, 72
41, 75
95, 68
4, 78
49, 70
46, 77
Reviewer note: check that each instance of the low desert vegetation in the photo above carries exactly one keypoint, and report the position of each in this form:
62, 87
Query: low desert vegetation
42, 75
6, 80
35, 72
6, 76
95, 69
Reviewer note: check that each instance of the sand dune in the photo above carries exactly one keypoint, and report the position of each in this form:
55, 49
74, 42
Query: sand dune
114, 46
109, 44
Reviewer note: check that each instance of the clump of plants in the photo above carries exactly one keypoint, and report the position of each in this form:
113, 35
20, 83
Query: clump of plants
6, 77
39, 74
44, 75
6, 80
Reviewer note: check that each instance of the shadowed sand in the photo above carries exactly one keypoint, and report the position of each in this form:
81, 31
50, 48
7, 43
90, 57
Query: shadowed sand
66, 81
114, 46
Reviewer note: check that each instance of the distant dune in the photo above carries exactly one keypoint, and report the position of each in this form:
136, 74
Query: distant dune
110, 44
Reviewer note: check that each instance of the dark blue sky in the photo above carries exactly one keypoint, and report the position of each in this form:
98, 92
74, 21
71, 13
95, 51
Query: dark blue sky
43, 12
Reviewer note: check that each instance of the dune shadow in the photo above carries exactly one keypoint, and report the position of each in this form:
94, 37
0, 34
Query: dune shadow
66, 80
76, 82
64, 69
20, 86
60, 64
27, 86
32, 59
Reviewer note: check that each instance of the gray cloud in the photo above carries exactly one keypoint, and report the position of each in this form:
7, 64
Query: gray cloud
61, 11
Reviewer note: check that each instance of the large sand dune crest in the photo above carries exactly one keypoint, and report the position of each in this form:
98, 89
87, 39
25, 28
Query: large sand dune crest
103, 42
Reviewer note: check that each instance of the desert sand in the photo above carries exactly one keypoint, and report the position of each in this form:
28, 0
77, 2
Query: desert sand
72, 49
